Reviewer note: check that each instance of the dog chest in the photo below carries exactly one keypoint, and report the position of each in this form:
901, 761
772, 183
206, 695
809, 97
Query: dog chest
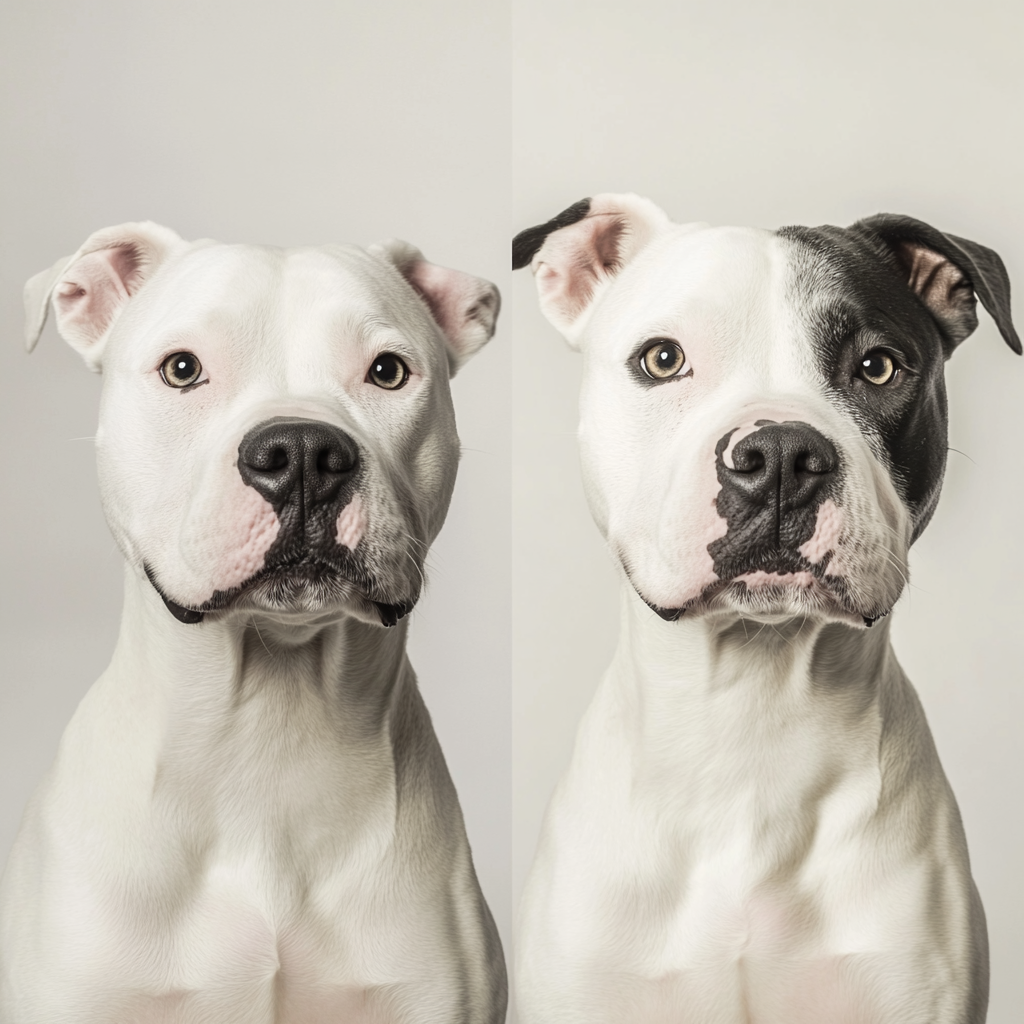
242, 948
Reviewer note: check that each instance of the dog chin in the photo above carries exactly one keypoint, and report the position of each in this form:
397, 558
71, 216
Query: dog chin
304, 587
772, 596
315, 588
307, 588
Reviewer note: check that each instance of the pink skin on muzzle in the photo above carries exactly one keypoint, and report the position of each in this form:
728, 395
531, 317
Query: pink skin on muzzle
351, 524
253, 529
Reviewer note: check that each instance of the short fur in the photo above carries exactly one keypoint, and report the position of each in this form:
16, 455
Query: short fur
249, 820
755, 824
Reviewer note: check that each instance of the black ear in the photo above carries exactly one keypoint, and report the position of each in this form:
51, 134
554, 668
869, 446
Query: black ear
946, 272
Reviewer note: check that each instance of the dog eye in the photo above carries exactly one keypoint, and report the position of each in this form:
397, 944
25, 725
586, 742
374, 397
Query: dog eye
388, 371
878, 367
662, 359
180, 370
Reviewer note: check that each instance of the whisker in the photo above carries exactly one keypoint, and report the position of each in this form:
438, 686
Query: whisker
964, 454
260, 635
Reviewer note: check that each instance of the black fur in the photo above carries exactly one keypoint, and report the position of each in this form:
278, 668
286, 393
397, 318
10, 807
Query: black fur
527, 243
981, 266
852, 291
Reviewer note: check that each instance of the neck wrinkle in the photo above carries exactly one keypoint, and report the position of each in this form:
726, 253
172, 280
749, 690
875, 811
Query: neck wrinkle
196, 678
667, 670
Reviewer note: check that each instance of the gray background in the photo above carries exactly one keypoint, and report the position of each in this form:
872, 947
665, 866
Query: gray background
317, 121
291, 123
770, 114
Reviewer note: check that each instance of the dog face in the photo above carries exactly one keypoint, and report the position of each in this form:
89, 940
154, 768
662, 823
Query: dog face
276, 428
763, 414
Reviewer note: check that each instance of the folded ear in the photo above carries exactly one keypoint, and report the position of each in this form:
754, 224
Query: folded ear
575, 254
464, 307
946, 272
91, 288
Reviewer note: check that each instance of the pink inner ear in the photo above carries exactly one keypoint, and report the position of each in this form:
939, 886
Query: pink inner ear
443, 292
574, 260
942, 287
932, 276
93, 289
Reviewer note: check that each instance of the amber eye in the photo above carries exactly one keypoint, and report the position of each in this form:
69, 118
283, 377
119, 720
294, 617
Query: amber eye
388, 371
662, 359
180, 370
878, 367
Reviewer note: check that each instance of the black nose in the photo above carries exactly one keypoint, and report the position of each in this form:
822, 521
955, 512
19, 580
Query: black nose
782, 465
303, 462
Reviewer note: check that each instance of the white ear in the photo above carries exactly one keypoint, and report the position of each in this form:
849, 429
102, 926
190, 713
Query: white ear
464, 307
575, 254
90, 288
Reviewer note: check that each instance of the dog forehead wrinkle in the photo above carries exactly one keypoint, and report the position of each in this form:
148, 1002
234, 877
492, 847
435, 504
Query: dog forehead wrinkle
717, 285
356, 296
226, 290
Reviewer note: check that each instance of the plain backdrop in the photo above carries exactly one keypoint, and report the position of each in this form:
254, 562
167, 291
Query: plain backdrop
317, 121
280, 123
769, 114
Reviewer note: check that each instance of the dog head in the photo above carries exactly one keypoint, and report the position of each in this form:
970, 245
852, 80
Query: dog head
763, 414
276, 428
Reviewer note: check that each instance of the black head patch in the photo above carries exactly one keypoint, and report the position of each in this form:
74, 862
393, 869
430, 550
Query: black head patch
528, 242
855, 292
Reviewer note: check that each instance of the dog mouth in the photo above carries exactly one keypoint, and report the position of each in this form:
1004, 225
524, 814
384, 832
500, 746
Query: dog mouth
307, 584
777, 585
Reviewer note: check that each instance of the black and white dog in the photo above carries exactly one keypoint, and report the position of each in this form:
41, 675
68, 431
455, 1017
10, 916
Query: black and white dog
755, 824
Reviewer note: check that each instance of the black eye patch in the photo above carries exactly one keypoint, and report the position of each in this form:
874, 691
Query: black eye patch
858, 315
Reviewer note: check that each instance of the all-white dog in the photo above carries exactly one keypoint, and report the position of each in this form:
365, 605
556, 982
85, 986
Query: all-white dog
250, 819
755, 825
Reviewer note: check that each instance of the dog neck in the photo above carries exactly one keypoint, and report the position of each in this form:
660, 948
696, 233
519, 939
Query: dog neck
252, 716
746, 706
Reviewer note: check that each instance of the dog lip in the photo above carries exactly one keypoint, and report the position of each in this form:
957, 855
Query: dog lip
391, 613
312, 570
306, 570
705, 601
188, 616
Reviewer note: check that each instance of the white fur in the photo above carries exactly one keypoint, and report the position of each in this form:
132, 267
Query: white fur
754, 825
249, 820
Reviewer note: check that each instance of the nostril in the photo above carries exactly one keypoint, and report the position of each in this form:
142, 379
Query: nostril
267, 458
332, 459
813, 462
748, 460
277, 459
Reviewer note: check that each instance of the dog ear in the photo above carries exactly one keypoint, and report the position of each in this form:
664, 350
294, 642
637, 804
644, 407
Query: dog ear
946, 272
90, 288
575, 254
464, 307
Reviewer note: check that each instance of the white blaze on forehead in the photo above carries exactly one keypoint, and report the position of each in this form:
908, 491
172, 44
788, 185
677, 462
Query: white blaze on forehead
827, 531
351, 523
